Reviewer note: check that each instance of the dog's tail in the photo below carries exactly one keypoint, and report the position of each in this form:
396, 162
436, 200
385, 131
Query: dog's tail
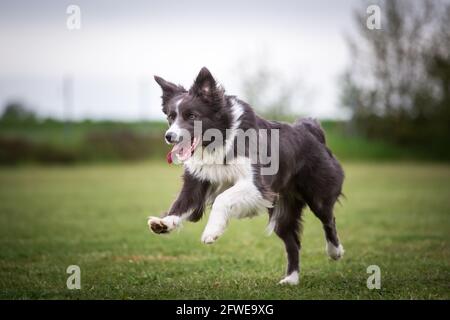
314, 127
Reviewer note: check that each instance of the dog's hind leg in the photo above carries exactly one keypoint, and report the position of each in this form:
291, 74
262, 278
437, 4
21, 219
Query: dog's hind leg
286, 217
324, 212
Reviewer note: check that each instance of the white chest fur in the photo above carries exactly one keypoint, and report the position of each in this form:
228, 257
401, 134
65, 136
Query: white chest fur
218, 173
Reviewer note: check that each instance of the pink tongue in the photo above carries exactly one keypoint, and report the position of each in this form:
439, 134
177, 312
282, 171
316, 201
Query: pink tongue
184, 153
172, 153
181, 151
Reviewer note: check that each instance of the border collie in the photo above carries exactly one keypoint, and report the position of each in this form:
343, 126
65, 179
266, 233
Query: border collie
232, 179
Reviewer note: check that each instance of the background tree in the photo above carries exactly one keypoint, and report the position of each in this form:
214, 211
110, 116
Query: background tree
399, 82
17, 112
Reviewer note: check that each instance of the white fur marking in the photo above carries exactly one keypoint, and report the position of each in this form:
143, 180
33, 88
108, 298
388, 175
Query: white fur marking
236, 169
236, 111
277, 209
291, 279
239, 201
171, 221
335, 253
175, 127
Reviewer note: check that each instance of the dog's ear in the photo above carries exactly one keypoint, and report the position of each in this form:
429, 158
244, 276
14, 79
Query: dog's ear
169, 89
206, 87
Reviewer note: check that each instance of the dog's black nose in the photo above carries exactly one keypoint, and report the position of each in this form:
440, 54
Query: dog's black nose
171, 137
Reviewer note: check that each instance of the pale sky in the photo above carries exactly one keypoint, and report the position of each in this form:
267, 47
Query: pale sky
122, 44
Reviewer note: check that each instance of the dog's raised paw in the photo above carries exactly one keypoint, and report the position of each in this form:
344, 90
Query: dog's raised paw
209, 238
157, 225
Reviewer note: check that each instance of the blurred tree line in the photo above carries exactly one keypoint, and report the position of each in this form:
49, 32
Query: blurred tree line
398, 85
26, 138
15, 112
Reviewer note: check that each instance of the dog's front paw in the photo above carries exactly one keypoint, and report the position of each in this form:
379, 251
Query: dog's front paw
210, 236
157, 225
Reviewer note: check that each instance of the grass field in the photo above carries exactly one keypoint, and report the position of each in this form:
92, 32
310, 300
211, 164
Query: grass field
396, 216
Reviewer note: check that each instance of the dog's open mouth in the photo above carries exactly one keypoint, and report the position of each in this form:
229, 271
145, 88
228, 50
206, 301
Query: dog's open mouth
182, 150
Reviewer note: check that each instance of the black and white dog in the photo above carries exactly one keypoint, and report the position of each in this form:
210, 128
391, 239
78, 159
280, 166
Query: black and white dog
238, 181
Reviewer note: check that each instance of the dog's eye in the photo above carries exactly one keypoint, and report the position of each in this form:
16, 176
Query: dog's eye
171, 117
192, 116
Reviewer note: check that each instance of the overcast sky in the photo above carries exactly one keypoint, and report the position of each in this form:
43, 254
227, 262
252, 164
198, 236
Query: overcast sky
122, 44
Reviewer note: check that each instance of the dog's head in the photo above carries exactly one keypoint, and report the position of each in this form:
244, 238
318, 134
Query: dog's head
204, 104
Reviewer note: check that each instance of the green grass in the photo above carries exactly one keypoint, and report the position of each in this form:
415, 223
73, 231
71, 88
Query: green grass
396, 216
